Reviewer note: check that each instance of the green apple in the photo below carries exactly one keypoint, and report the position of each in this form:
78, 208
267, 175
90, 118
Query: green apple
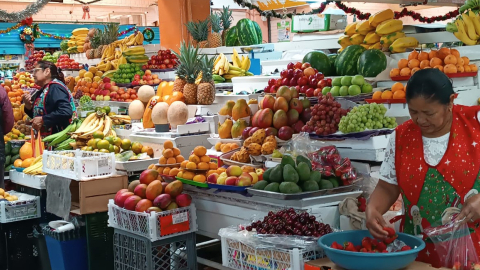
344, 91
367, 88
354, 90
335, 91
337, 81
326, 90
346, 80
358, 80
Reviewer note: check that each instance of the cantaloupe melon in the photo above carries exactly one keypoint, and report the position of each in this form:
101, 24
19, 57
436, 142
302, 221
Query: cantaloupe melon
177, 114
145, 93
159, 113
136, 110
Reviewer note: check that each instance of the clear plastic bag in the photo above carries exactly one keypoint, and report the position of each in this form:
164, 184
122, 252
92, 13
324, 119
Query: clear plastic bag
454, 245
300, 145
328, 162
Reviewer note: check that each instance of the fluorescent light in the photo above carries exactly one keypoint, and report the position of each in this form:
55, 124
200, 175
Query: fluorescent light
315, 5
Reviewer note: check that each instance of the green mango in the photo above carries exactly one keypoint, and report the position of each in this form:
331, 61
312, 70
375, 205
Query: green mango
316, 176
266, 175
260, 185
303, 171
15, 157
8, 168
310, 185
276, 175
286, 159
289, 174
289, 188
273, 187
301, 158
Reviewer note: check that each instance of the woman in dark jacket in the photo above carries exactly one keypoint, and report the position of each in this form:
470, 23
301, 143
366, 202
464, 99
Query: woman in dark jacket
52, 107
6, 125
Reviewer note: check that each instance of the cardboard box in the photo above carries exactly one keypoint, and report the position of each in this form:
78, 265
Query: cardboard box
91, 196
326, 264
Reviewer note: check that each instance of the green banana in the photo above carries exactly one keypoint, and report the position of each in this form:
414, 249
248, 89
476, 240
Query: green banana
65, 145
218, 78
63, 134
451, 27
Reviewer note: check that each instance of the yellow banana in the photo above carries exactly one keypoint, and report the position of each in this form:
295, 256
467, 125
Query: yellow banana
462, 35
469, 27
475, 20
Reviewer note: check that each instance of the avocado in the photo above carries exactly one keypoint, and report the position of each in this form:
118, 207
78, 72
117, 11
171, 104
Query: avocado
15, 150
260, 185
286, 159
325, 184
289, 174
334, 181
310, 185
303, 171
316, 176
8, 148
8, 160
266, 175
276, 175
273, 187
15, 157
8, 168
301, 158
289, 188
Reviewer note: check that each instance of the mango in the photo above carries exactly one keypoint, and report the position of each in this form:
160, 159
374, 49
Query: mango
241, 109
175, 188
162, 201
225, 129
172, 206
133, 185
141, 191
303, 172
238, 128
255, 118
265, 118
148, 176
284, 91
267, 102
131, 202
183, 200
143, 205
227, 108
154, 189
280, 104
121, 197
280, 119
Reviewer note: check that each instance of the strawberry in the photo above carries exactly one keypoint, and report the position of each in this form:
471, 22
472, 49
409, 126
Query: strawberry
336, 245
363, 250
362, 204
374, 243
381, 246
349, 247
366, 243
385, 251
391, 232
405, 248
390, 240
358, 248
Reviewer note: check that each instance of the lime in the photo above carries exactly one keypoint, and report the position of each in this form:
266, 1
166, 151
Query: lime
84, 148
103, 151
91, 142
116, 149
109, 139
126, 144
111, 148
103, 144
97, 109
96, 142
117, 141
98, 135
107, 109
89, 148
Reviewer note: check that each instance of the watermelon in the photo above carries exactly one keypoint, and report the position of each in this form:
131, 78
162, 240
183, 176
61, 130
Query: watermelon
231, 38
346, 62
371, 63
320, 61
64, 45
259, 32
332, 57
247, 33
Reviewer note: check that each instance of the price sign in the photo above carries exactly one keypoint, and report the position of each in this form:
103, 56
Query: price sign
174, 223
308, 23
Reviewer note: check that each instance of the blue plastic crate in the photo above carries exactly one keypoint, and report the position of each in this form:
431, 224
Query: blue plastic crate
67, 255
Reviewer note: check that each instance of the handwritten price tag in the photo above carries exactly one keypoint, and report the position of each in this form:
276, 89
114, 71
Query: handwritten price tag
174, 223
179, 218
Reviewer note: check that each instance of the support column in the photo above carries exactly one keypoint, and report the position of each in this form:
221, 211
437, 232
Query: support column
174, 14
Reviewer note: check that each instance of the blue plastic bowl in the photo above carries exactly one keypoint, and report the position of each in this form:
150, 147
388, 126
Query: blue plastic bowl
369, 261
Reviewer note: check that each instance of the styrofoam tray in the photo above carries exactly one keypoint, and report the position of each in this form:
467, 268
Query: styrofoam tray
134, 165
33, 181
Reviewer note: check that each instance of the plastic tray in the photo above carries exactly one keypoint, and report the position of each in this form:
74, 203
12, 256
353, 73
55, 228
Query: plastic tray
26, 207
225, 158
229, 188
302, 195
134, 165
450, 75
18, 169
150, 225
33, 181
192, 183
168, 165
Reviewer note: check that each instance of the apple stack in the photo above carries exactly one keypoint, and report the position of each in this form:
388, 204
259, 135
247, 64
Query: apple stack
237, 176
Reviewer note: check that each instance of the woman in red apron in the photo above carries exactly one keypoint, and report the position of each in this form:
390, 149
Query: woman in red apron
52, 107
433, 161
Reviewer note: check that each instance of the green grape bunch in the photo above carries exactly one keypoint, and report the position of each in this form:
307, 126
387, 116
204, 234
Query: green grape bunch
367, 116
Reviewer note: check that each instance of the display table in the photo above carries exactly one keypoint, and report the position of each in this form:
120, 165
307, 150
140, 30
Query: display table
325, 262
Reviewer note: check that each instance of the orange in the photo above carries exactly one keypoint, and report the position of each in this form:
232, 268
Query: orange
450, 59
439, 67
27, 162
460, 69
166, 171
460, 61
413, 55
200, 151
467, 68
424, 64
184, 164
174, 172
191, 166
188, 175
168, 153
405, 72
377, 95
176, 151
387, 94
171, 160
194, 159
218, 146
18, 163
168, 144
213, 165
394, 72
160, 170
455, 52
450, 69
203, 166
221, 169
466, 61
443, 52
432, 54
397, 86
413, 63
211, 172
200, 178
205, 159
226, 148
436, 62
151, 166
402, 63
179, 158
422, 56
180, 174
234, 146
399, 94
474, 67
162, 160
414, 70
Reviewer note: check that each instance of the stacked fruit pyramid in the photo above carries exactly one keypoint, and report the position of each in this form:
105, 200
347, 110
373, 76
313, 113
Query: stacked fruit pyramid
398, 91
445, 59
381, 31
198, 166
170, 156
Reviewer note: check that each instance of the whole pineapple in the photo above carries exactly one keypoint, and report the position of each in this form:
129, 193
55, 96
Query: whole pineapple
96, 43
188, 57
214, 37
180, 81
206, 88
199, 32
227, 19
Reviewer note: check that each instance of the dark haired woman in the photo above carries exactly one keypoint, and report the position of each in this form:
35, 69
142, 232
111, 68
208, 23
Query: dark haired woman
52, 107
433, 160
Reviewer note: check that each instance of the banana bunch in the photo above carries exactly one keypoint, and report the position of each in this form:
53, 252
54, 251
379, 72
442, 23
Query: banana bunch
223, 68
113, 57
133, 39
469, 4
466, 27
221, 65
36, 167
95, 122
62, 138
121, 119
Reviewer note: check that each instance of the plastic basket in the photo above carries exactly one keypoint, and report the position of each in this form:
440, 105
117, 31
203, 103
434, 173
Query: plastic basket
45, 217
79, 165
156, 225
19, 249
26, 207
132, 252
237, 255
99, 241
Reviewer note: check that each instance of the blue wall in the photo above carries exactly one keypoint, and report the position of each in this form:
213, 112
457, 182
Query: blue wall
10, 43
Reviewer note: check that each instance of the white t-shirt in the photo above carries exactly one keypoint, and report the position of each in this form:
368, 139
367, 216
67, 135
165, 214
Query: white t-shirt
433, 151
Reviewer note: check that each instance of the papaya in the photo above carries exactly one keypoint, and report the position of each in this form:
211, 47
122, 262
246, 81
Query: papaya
240, 109
227, 108
147, 114
238, 128
225, 129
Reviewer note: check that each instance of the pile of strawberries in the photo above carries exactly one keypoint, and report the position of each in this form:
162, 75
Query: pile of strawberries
370, 245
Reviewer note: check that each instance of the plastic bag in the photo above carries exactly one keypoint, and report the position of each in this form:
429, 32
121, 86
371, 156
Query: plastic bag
454, 245
300, 145
328, 162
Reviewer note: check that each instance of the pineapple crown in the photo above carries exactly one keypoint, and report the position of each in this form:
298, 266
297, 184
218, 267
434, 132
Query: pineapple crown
110, 33
188, 57
207, 68
215, 23
198, 30
96, 39
226, 17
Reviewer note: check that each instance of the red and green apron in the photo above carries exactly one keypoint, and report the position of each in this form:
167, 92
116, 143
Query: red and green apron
428, 191
39, 105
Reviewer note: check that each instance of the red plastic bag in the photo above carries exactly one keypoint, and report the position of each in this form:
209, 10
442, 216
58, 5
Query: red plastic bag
328, 162
454, 245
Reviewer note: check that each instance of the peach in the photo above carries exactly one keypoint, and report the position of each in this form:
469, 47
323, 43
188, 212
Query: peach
254, 177
231, 181
244, 180
212, 178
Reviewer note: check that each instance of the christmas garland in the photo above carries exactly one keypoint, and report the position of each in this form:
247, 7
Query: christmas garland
148, 34
27, 35
31, 9
133, 28
353, 11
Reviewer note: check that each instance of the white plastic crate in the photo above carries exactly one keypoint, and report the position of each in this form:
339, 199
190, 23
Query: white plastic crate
26, 207
79, 165
242, 256
152, 225
33, 181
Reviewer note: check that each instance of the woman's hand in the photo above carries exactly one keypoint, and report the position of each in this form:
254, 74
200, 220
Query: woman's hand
37, 123
27, 99
376, 223
471, 209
